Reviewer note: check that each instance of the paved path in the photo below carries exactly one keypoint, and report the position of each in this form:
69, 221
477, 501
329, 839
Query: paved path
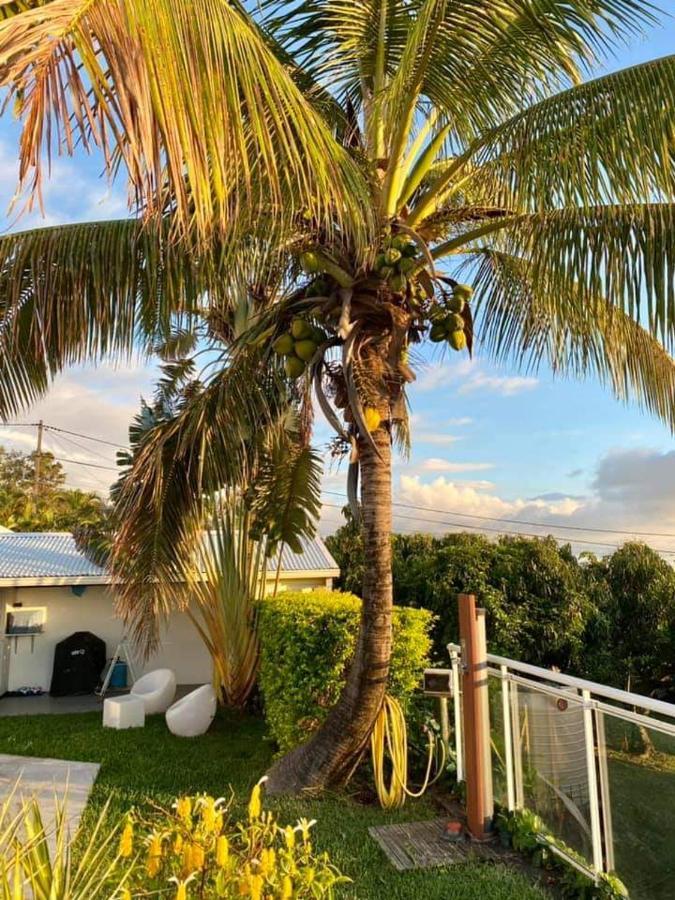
49, 781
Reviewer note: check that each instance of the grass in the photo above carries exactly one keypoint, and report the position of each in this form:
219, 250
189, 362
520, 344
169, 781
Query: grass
150, 763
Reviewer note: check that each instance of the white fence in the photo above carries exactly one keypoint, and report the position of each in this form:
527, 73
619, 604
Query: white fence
596, 763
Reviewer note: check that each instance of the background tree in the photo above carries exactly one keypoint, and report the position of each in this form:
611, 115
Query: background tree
331, 171
54, 507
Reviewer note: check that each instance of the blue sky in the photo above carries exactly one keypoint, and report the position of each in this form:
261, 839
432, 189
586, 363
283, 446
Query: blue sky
488, 442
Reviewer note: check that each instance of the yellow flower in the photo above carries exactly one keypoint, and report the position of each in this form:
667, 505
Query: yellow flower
197, 856
255, 886
372, 418
181, 892
183, 806
154, 855
126, 894
127, 840
289, 836
303, 827
268, 859
209, 813
255, 803
222, 851
286, 888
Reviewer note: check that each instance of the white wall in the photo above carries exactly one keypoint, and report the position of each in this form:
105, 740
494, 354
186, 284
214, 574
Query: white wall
181, 650
31, 661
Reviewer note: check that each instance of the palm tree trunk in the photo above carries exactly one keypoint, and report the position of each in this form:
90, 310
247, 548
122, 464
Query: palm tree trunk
331, 754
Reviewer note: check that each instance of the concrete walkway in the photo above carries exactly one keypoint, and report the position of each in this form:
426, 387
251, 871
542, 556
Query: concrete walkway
50, 782
46, 705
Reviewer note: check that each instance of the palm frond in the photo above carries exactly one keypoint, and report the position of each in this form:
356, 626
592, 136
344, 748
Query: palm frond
623, 253
608, 140
179, 464
519, 320
77, 293
285, 498
225, 586
195, 104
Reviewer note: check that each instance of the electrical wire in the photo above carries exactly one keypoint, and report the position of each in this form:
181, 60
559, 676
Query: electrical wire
542, 524
483, 529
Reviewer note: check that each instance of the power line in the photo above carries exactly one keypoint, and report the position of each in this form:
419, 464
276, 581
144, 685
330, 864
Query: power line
87, 437
543, 524
76, 462
483, 528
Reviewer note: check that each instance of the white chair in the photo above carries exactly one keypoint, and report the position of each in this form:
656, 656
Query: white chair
156, 689
123, 712
192, 714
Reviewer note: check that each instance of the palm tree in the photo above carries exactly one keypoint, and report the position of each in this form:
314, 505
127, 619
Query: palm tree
334, 168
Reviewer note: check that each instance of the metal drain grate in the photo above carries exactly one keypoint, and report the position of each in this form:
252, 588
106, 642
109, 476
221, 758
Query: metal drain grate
421, 845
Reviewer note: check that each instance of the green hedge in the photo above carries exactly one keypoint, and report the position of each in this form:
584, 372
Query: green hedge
307, 641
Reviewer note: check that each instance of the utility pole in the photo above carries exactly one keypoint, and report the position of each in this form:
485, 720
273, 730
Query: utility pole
38, 460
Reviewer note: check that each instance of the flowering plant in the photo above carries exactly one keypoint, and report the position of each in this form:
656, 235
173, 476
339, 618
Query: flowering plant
196, 850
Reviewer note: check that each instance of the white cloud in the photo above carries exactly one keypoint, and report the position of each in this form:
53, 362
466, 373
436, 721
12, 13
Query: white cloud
462, 420
436, 464
504, 385
99, 402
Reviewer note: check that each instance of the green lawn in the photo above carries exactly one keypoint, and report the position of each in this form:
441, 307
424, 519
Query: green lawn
151, 763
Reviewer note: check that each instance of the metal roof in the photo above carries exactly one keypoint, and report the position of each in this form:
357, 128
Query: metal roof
46, 556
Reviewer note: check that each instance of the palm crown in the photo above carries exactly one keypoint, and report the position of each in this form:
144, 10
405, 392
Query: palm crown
320, 186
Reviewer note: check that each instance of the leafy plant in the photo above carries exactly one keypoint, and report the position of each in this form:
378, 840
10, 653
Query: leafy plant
307, 641
319, 188
44, 862
204, 852
529, 835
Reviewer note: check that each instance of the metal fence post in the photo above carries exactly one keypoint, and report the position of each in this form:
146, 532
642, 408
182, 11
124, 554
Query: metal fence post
508, 739
457, 710
517, 747
593, 796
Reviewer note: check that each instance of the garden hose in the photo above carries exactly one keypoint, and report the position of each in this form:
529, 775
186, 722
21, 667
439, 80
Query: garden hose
390, 737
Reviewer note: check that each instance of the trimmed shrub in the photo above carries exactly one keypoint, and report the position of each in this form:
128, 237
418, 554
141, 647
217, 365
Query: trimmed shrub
306, 643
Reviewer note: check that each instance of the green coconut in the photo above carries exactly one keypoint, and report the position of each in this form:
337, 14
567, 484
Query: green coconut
283, 345
294, 366
305, 350
437, 332
457, 340
454, 322
397, 283
463, 291
310, 262
300, 329
455, 303
406, 265
385, 271
392, 256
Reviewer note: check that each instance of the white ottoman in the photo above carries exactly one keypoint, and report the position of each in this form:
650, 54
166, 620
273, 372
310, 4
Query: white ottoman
123, 712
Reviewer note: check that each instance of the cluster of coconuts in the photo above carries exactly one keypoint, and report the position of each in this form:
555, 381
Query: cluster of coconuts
299, 345
447, 323
396, 261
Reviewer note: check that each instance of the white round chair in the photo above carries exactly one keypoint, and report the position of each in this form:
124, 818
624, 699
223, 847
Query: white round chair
192, 715
156, 689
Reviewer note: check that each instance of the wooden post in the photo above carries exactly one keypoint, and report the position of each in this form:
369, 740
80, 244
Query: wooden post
476, 735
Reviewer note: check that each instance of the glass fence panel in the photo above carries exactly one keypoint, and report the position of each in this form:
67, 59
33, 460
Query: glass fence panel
641, 778
497, 741
550, 761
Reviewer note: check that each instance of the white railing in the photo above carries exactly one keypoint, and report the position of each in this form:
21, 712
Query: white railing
548, 733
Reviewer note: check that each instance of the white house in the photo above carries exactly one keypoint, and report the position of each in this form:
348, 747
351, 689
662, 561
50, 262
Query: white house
50, 589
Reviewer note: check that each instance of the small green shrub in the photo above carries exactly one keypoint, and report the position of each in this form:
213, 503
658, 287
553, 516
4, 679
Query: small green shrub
307, 641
